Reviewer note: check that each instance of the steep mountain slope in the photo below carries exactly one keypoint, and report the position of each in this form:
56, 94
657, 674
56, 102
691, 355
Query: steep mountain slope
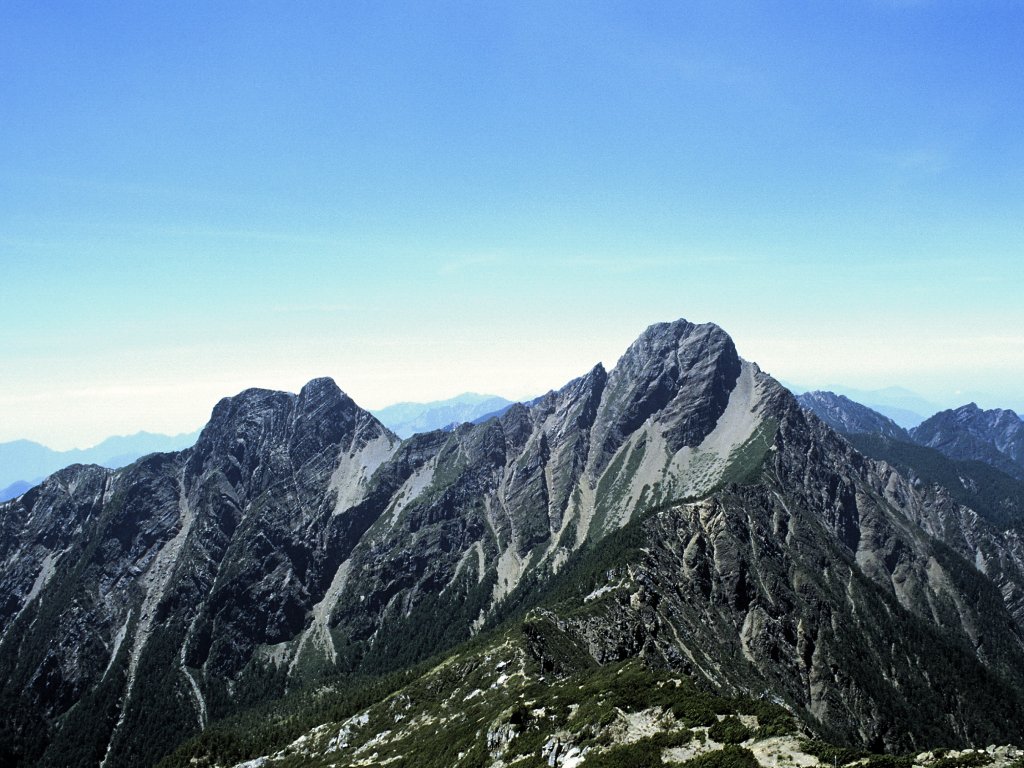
849, 418
721, 530
408, 419
995, 436
907, 409
753, 591
533, 696
994, 495
155, 583
530, 696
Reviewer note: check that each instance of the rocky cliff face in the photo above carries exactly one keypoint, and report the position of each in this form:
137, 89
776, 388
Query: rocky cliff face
300, 539
995, 437
848, 417
156, 583
833, 583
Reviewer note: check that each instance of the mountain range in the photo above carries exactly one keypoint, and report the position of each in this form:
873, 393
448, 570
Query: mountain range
904, 407
24, 463
406, 419
968, 433
674, 539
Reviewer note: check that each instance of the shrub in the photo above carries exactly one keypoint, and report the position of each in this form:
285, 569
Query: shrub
730, 730
729, 756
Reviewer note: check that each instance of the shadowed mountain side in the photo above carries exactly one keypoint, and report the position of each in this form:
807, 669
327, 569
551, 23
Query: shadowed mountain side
995, 436
848, 417
300, 540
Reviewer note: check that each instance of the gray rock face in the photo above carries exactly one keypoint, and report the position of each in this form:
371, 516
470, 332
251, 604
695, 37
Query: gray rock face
677, 374
995, 436
848, 417
158, 581
300, 537
834, 584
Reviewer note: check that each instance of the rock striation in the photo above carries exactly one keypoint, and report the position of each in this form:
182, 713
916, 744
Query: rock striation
995, 436
850, 418
736, 537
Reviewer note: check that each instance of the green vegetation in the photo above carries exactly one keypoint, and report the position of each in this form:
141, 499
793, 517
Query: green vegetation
972, 760
270, 726
772, 720
526, 682
730, 730
643, 753
889, 761
613, 485
832, 755
730, 756
746, 461
588, 568
994, 495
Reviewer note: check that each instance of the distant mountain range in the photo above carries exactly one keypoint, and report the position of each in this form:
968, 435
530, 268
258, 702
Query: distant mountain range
890, 412
905, 408
849, 417
407, 419
651, 561
972, 454
24, 463
994, 437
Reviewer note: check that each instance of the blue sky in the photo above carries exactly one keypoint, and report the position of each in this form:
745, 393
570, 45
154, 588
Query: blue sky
421, 199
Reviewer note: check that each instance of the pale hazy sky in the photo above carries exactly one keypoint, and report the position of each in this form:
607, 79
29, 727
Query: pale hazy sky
423, 199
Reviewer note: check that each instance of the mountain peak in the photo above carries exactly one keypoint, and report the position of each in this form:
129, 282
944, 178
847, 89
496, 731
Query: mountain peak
679, 373
848, 416
300, 540
994, 436
665, 335
666, 345
259, 431
323, 396
321, 385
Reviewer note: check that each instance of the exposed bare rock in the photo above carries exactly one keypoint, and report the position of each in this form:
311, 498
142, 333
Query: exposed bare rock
995, 436
299, 537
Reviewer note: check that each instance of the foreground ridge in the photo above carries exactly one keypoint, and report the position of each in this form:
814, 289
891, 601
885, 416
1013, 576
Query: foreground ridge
534, 697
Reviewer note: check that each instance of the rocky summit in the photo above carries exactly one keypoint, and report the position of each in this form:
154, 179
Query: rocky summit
850, 418
678, 519
995, 436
